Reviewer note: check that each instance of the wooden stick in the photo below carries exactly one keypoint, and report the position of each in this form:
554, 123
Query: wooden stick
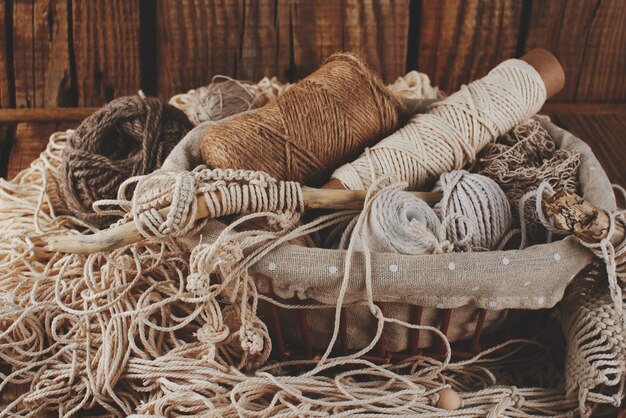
572, 213
113, 238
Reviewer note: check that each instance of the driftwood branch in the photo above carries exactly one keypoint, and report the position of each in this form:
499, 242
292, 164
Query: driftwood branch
568, 211
572, 213
119, 236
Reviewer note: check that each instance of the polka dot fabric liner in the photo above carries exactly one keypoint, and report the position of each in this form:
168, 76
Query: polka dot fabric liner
534, 278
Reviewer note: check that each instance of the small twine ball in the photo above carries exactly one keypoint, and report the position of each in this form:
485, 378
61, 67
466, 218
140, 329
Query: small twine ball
319, 124
128, 137
479, 199
226, 97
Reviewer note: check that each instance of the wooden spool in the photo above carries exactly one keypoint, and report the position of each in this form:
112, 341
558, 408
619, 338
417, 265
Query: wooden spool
549, 69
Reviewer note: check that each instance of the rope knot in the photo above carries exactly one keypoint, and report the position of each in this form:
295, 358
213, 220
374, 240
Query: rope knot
216, 257
212, 334
517, 398
226, 255
261, 181
183, 199
198, 283
284, 221
443, 247
252, 340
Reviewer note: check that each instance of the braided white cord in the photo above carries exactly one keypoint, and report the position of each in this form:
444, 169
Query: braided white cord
226, 192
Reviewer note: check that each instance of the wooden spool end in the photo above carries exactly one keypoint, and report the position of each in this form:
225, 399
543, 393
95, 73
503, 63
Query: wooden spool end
548, 67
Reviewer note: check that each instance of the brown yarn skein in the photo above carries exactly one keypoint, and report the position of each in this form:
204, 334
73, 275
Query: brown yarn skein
130, 136
320, 123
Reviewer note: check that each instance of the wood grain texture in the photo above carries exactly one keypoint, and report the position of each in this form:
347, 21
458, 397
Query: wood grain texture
5, 95
196, 40
605, 136
260, 52
29, 141
41, 62
589, 38
317, 31
6, 139
375, 29
106, 49
460, 41
379, 31
85, 52
49, 114
289, 39
584, 108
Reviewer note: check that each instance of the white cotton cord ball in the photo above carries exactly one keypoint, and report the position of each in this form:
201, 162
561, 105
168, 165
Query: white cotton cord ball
400, 222
481, 202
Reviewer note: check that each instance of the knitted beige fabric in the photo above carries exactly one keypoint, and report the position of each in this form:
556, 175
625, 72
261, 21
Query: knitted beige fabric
596, 345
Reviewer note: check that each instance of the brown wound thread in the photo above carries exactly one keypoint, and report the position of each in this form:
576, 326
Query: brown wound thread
130, 136
320, 123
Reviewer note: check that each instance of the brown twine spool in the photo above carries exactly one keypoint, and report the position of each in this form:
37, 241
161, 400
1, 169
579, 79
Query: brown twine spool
320, 123
130, 136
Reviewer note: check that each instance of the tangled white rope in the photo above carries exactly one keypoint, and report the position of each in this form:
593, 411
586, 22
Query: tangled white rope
225, 97
152, 331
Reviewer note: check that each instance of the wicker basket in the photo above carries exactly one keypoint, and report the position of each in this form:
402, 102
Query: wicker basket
481, 325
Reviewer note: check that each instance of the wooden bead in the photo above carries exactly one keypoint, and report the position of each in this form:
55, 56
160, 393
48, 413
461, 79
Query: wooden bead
448, 399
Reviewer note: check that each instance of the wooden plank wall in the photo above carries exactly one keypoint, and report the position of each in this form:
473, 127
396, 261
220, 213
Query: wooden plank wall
86, 52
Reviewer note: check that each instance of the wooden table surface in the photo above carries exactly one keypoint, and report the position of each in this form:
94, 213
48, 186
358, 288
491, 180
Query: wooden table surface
24, 134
